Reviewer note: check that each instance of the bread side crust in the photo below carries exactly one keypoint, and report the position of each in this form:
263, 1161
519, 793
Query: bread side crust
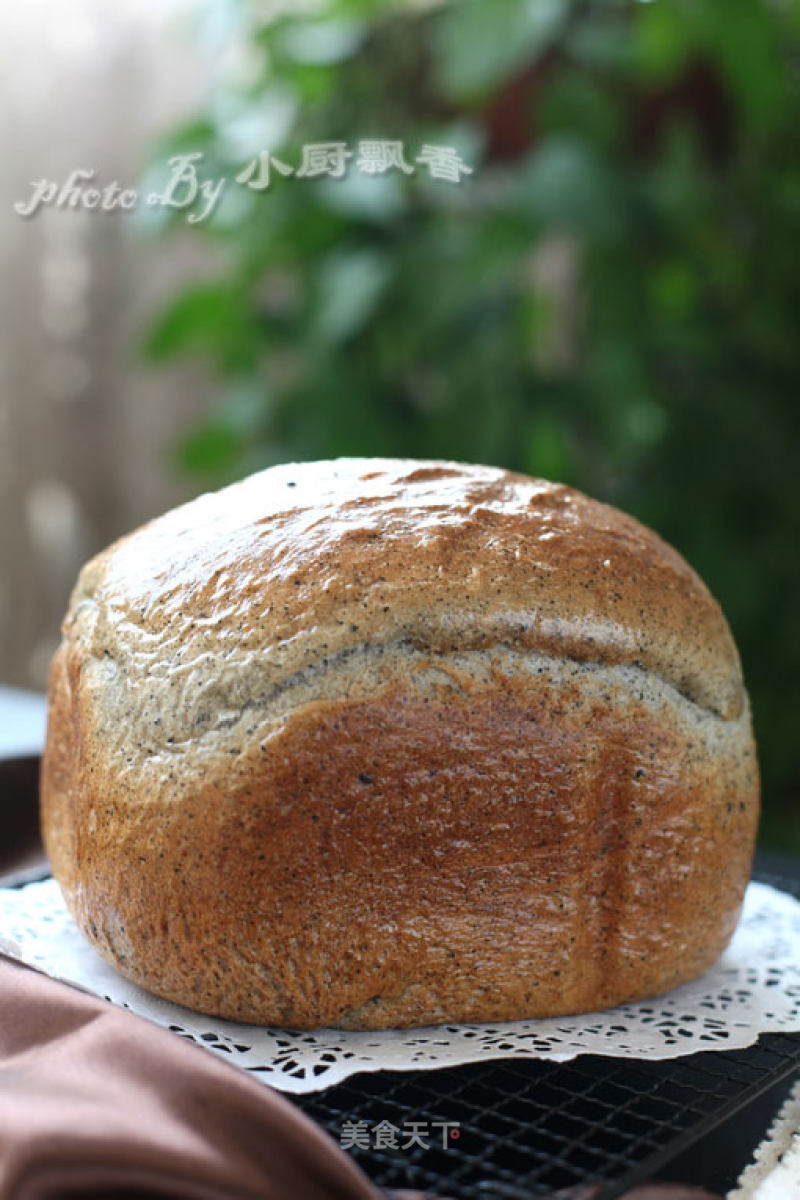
435, 837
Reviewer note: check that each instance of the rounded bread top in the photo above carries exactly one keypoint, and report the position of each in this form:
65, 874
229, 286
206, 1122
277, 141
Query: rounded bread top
305, 561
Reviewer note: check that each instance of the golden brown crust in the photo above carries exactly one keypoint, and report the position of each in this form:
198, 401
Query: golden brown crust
308, 559
505, 793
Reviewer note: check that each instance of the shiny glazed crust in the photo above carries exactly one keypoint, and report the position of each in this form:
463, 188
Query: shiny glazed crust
381, 742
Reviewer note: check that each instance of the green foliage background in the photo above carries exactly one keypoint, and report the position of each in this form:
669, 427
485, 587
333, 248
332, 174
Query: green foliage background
653, 148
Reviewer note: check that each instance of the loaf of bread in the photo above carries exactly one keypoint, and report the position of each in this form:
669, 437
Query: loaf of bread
374, 742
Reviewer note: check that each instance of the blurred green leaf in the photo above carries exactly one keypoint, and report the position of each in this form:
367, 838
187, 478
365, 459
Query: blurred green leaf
213, 450
742, 36
575, 105
211, 318
601, 44
567, 185
673, 288
350, 285
663, 39
318, 42
479, 45
193, 316
547, 452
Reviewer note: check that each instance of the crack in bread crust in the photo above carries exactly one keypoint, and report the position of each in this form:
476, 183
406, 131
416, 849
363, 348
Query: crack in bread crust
194, 717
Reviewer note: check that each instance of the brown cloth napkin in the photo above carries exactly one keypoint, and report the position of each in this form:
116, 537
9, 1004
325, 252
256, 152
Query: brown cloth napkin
95, 1101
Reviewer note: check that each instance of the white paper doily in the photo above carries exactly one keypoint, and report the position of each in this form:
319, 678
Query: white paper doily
753, 989
774, 1173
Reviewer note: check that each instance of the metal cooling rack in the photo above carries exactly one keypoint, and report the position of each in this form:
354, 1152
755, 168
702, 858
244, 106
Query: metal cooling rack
531, 1128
